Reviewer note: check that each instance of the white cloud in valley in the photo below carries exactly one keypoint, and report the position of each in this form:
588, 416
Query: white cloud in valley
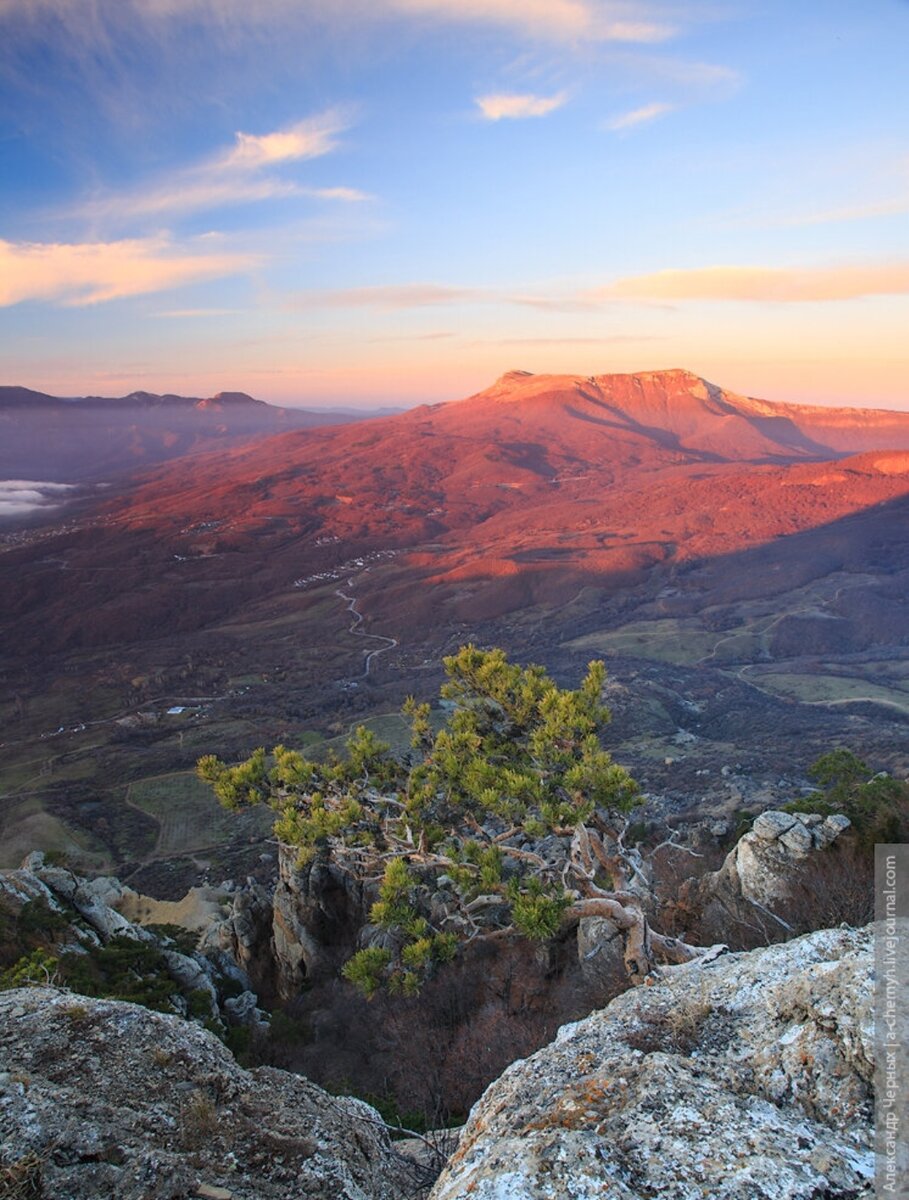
18, 497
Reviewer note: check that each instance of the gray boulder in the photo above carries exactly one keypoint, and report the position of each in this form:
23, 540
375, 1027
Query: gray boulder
760, 868
100, 1099
747, 1078
244, 1010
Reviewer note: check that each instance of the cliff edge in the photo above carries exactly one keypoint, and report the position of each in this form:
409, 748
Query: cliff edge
99, 1098
747, 1077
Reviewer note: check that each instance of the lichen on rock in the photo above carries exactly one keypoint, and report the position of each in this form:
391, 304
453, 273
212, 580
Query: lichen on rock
99, 1099
747, 1078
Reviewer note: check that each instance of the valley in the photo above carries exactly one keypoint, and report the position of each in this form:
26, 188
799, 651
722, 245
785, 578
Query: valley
740, 566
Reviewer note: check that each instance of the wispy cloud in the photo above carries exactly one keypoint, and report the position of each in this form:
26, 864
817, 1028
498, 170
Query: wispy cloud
76, 274
391, 296
639, 116
898, 206
440, 336
704, 77
552, 20
608, 339
554, 302
229, 21
348, 195
306, 139
184, 313
433, 295
205, 195
513, 105
233, 176
786, 285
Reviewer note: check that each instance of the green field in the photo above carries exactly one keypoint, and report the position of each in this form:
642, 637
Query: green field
830, 689
668, 640
187, 813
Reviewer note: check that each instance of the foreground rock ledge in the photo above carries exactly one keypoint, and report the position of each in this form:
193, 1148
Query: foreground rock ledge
746, 1078
101, 1099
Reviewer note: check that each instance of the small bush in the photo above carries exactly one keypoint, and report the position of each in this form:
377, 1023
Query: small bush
675, 1031
37, 969
366, 970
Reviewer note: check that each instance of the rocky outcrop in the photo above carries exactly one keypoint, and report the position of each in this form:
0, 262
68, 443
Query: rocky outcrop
761, 865
755, 884
240, 936
748, 1077
85, 915
92, 899
319, 911
100, 1098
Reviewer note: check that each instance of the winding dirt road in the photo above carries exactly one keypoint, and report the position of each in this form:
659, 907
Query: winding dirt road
354, 628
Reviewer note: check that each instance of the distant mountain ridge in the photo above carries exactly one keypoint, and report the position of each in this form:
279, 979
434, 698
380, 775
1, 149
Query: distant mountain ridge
90, 438
15, 396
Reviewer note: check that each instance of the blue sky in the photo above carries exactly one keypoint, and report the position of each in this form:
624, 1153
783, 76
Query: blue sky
396, 201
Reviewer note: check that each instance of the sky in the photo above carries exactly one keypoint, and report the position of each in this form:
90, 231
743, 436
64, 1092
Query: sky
390, 202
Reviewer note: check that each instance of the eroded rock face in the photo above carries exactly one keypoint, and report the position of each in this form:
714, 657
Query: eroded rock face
757, 879
100, 1099
761, 865
242, 936
747, 1078
319, 910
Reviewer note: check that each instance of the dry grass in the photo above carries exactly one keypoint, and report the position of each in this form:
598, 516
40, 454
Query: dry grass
198, 1120
21, 1180
672, 1030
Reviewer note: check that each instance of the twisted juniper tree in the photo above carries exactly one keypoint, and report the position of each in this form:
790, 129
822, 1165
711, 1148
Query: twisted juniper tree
512, 812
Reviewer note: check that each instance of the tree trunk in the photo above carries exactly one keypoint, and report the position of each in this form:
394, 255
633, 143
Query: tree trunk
643, 947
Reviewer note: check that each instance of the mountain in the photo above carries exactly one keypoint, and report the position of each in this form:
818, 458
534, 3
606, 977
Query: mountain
92, 438
519, 495
540, 484
679, 410
742, 565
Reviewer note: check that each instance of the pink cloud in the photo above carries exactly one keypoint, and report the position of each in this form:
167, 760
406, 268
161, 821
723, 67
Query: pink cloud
306, 139
92, 272
516, 106
779, 284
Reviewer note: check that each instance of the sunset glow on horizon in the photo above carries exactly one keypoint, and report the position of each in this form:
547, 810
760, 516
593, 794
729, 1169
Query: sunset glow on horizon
395, 202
